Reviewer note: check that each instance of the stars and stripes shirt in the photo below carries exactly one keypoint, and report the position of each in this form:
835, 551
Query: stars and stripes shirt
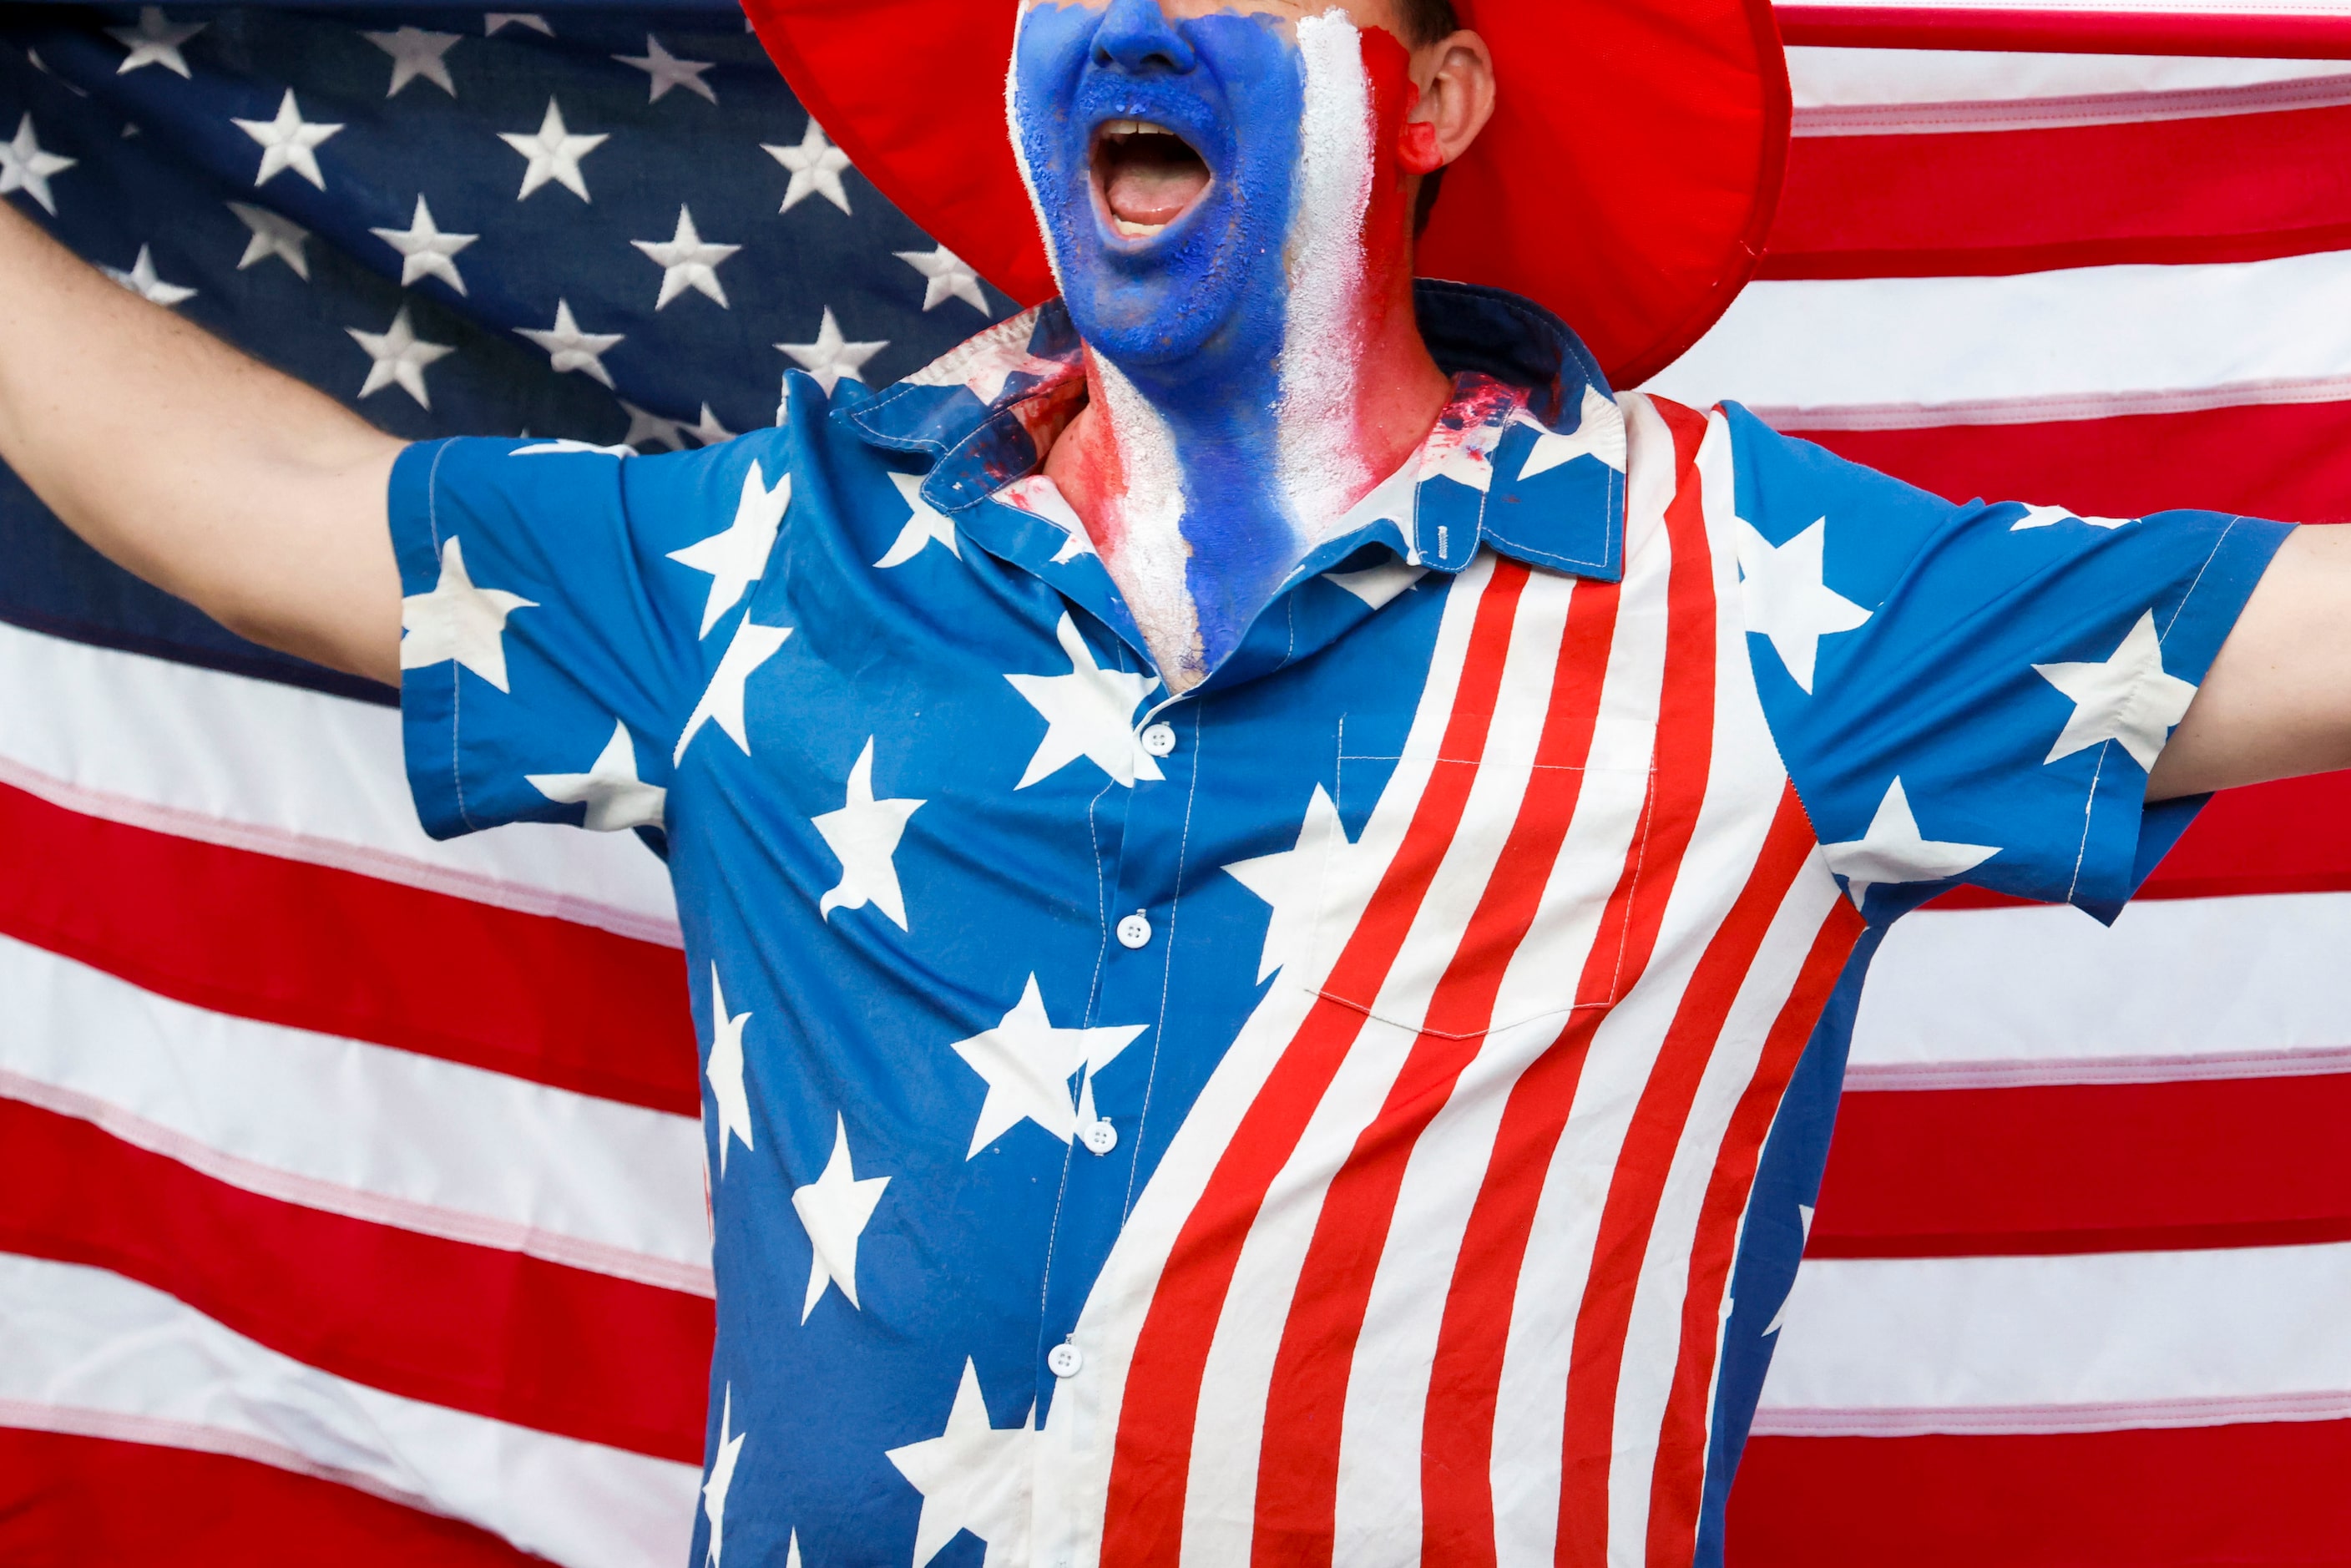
1361, 1110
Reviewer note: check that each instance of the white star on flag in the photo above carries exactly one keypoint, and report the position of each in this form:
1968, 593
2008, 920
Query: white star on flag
729, 1101
569, 348
415, 53
554, 153
722, 700
863, 837
816, 166
721, 1478
924, 524
155, 41
2049, 517
709, 432
1599, 432
272, 236
24, 166
494, 20
424, 250
2125, 697
1787, 602
399, 357
288, 141
645, 425
974, 1476
1088, 713
1292, 881
615, 797
946, 278
1892, 851
666, 71
835, 1209
831, 356
142, 280
458, 620
687, 262
1026, 1064
737, 554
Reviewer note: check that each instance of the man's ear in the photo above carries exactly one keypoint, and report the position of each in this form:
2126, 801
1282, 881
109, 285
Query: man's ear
1456, 77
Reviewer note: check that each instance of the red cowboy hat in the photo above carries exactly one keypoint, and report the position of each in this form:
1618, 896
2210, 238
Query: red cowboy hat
1626, 180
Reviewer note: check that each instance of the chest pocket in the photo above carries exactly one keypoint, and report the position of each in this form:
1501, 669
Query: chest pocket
1527, 907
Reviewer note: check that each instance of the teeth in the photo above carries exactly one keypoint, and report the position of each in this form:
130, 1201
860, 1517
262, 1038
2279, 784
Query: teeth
1135, 231
1136, 128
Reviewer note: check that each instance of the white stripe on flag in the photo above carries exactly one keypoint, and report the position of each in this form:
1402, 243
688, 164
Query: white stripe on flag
362, 1130
1833, 79
86, 1351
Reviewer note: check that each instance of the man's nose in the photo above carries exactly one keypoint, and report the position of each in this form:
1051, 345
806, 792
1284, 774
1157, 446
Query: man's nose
1135, 37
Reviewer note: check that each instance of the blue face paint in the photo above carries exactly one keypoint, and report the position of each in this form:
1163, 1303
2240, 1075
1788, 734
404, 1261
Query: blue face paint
1224, 345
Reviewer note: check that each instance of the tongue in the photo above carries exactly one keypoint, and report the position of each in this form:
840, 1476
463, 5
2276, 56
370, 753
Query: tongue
1150, 191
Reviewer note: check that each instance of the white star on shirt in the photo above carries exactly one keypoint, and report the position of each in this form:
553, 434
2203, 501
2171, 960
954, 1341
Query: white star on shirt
722, 700
142, 280
721, 1478
834, 1209
554, 153
399, 357
155, 41
1599, 432
2125, 697
564, 443
666, 71
831, 357
737, 554
2049, 517
1037, 494
687, 262
425, 251
1088, 713
458, 620
494, 20
288, 141
974, 1476
272, 236
1787, 602
816, 165
24, 166
1292, 881
863, 837
1464, 456
946, 278
924, 524
569, 348
1804, 1225
615, 797
1378, 585
416, 53
1026, 1064
1893, 851
730, 1103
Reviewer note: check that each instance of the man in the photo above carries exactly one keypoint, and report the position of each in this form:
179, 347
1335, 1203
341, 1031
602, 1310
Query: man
1275, 877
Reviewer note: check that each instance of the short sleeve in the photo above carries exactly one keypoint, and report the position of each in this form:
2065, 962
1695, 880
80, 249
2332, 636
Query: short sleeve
561, 602
1977, 693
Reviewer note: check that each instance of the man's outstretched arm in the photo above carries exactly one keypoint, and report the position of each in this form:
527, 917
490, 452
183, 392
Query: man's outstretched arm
2277, 701
253, 496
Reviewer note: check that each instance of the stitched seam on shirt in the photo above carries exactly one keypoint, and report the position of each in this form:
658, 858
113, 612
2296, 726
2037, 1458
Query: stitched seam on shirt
2196, 581
2089, 805
1167, 973
432, 527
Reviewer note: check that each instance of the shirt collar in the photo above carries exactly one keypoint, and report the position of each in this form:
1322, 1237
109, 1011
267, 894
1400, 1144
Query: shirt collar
1527, 458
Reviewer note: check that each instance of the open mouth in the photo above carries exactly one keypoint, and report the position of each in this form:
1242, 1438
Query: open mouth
1148, 175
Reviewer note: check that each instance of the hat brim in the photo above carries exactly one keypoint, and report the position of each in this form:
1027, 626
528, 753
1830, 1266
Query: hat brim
1627, 180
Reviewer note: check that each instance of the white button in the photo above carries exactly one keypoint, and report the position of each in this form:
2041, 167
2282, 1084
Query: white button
1100, 1137
1064, 1359
1158, 739
1134, 931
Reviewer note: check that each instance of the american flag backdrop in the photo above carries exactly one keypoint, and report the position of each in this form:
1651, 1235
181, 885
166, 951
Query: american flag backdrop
351, 1207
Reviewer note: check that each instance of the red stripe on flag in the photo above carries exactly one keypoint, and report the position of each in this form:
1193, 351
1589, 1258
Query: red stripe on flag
71, 1502
1150, 1464
1466, 1375
1628, 1219
2195, 1497
1298, 1481
501, 1334
2242, 187
318, 948
1678, 1480
2106, 1167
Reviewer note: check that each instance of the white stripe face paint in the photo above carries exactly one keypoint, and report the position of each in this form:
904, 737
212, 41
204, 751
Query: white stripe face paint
86, 1351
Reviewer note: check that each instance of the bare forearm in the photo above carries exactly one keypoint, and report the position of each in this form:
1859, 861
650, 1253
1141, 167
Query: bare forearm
252, 496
